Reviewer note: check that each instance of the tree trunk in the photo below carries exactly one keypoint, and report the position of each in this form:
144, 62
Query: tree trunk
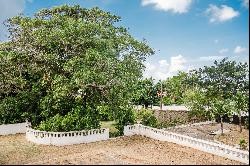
240, 122
221, 124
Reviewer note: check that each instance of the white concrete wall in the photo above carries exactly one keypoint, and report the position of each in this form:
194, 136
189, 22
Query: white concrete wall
7, 129
206, 146
66, 138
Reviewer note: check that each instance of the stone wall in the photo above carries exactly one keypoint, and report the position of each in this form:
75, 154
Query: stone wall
170, 115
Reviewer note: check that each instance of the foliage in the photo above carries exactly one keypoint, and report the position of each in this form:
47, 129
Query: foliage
174, 87
73, 121
241, 100
196, 101
125, 116
17, 109
218, 86
73, 59
106, 113
224, 79
222, 107
147, 118
243, 144
145, 93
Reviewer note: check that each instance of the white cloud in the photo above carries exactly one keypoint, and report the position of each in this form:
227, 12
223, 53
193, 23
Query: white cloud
177, 63
210, 58
224, 50
239, 50
9, 8
245, 3
221, 14
162, 69
175, 6
158, 71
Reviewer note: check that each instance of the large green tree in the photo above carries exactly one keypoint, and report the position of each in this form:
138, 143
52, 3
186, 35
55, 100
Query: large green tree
73, 59
145, 93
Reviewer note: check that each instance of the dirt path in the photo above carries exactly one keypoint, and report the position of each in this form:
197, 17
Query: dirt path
14, 149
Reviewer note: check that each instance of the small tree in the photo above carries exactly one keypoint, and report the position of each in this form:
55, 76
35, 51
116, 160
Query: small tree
174, 88
196, 101
241, 105
222, 107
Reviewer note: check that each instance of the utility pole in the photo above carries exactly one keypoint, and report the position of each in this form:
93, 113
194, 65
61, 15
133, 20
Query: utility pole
161, 97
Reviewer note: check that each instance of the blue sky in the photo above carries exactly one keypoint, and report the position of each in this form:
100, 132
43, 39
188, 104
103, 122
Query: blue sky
185, 34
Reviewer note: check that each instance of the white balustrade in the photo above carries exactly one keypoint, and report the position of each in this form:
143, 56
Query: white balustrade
66, 138
203, 145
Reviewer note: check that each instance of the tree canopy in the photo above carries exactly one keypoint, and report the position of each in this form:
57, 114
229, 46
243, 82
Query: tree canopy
72, 60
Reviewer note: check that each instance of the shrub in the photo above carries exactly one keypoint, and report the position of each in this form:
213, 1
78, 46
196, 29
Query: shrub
243, 144
147, 118
106, 113
75, 120
125, 116
16, 109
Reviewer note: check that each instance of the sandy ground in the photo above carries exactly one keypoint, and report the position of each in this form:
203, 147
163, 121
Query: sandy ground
232, 137
15, 149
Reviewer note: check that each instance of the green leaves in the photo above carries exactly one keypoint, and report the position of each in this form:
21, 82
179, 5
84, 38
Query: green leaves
145, 92
73, 60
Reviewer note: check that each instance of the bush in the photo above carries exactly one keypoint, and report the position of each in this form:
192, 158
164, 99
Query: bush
147, 118
125, 116
105, 113
17, 109
76, 120
243, 144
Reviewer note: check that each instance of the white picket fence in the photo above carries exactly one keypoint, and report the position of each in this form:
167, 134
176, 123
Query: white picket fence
206, 146
7, 129
66, 138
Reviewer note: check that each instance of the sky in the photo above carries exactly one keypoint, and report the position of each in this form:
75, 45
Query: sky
185, 34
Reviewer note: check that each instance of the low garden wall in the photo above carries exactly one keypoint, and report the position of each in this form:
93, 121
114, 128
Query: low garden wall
206, 146
7, 129
66, 138
170, 115
192, 124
